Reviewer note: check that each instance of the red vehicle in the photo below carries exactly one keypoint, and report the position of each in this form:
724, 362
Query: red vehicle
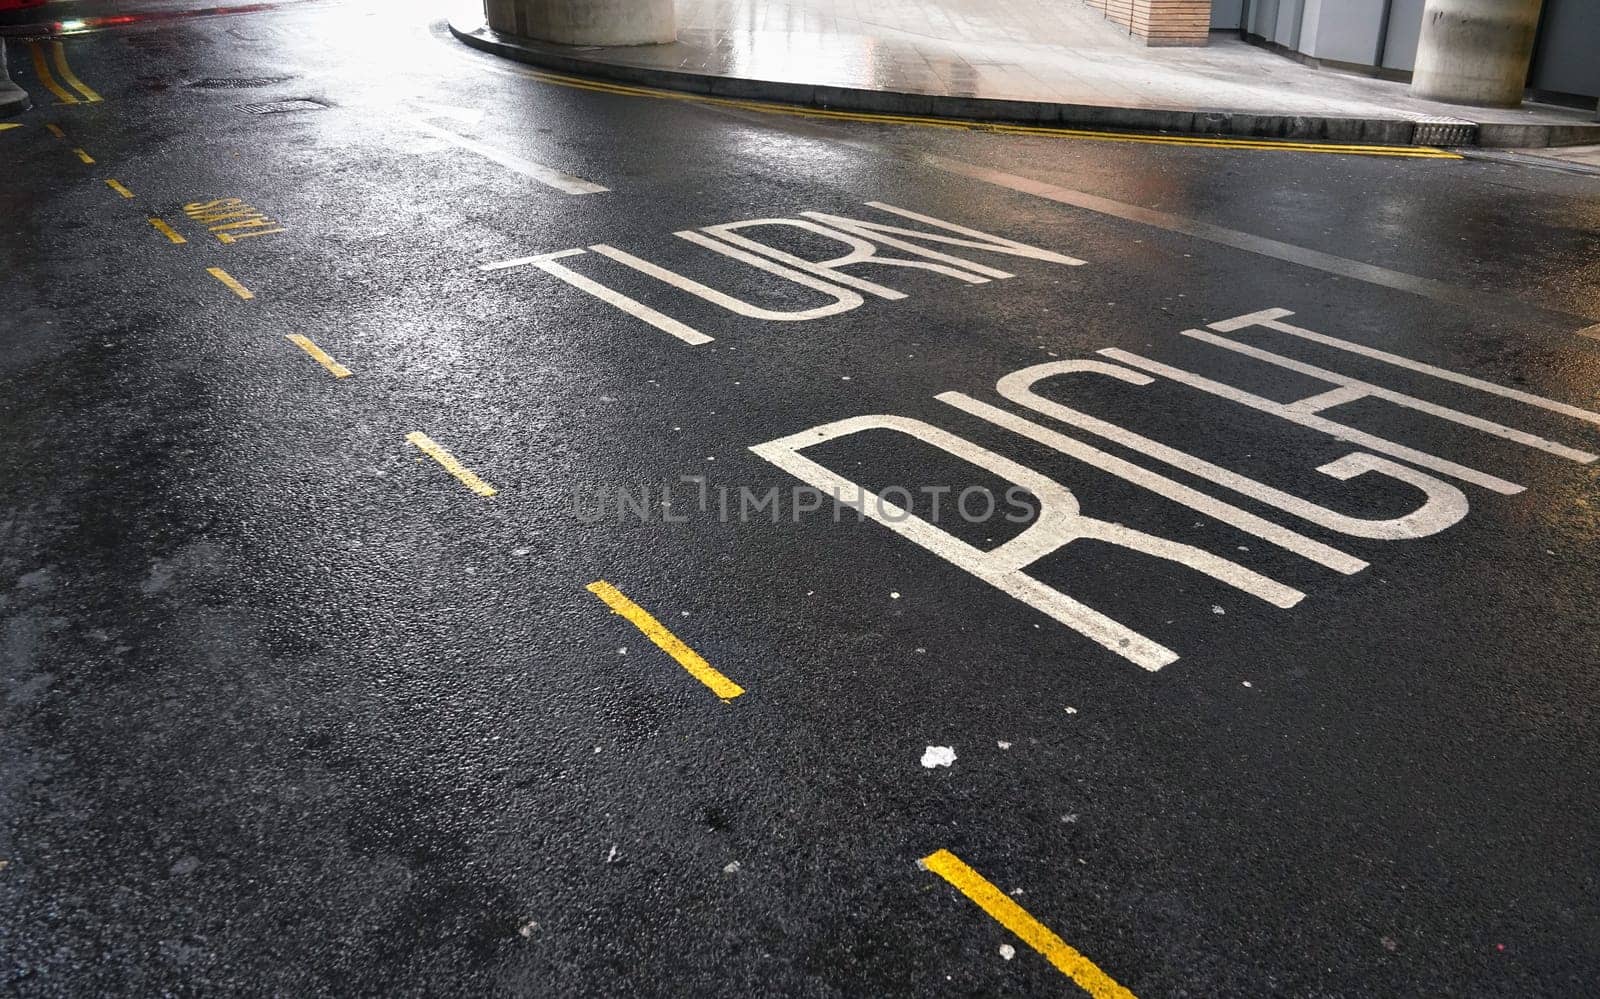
15, 11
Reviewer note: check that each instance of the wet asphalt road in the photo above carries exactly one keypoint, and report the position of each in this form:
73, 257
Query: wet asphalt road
287, 709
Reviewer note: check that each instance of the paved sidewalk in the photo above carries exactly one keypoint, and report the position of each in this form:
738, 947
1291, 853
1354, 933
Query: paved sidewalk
1021, 60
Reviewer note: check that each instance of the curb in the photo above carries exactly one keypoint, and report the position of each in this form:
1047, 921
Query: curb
13, 99
1230, 124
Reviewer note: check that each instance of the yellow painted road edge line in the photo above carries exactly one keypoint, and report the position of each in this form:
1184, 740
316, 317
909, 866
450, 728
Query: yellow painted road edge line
468, 477
71, 77
227, 279
1032, 932
319, 355
669, 643
117, 186
42, 71
1209, 142
167, 231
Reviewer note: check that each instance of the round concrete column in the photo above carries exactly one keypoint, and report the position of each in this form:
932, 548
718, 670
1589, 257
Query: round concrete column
585, 22
1475, 51
13, 99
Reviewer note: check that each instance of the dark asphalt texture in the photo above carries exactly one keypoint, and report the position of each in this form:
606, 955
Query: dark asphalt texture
286, 710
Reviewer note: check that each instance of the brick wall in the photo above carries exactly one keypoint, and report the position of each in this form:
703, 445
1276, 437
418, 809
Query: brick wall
1160, 22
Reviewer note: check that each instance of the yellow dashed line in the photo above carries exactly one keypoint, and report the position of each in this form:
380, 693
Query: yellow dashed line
85, 157
227, 279
669, 643
321, 356
1209, 142
1032, 932
167, 231
468, 478
117, 186
55, 130
71, 77
42, 71
4, 125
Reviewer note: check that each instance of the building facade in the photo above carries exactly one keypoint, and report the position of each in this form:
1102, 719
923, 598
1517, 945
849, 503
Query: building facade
1381, 36
1375, 36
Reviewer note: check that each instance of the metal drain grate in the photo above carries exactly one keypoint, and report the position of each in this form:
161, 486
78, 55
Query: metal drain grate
238, 82
279, 107
1439, 130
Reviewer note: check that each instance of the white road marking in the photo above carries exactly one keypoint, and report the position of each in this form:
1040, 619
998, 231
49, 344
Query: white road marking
1445, 505
1350, 389
974, 238
1284, 538
823, 277
843, 299
1311, 421
861, 251
1250, 243
548, 176
637, 309
1059, 522
431, 109
1270, 318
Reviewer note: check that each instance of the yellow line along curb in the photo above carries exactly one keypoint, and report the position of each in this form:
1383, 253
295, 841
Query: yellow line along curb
669, 643
1032, 932
42, 71
71, 77
1211, 142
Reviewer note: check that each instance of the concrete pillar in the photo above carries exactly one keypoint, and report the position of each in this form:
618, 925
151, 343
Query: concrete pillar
1476, 51
585, 22
13, 99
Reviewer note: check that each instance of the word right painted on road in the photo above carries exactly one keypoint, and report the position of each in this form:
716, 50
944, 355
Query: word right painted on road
230, 219
1060, 521
864, 241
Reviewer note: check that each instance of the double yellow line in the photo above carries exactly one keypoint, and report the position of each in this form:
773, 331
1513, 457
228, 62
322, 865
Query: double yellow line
1203, 141
84, 93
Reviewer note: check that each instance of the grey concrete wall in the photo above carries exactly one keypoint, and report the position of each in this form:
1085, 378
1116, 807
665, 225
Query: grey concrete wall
1340, 30
1227, 14
1310, 21
1566, 60
1278, 21
1287, 31
1262, 18
1345, 31
1567, 56
1405, 27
